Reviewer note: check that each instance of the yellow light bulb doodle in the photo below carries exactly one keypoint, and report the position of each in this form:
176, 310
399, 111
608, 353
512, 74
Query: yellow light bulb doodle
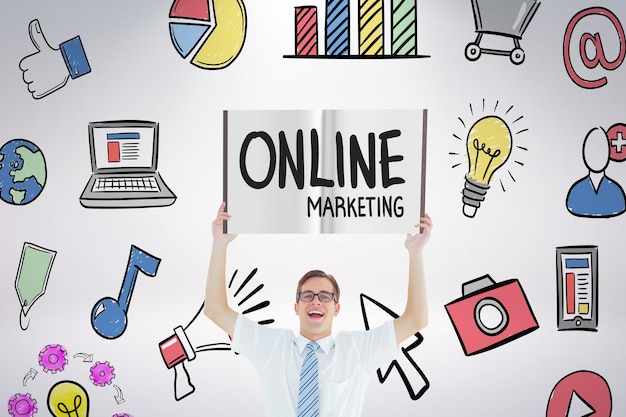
68, 399
488, 148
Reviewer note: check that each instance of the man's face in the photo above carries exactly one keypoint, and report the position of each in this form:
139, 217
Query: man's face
316, 317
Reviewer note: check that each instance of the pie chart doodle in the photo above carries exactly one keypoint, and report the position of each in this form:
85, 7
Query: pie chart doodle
210, 33
581, 390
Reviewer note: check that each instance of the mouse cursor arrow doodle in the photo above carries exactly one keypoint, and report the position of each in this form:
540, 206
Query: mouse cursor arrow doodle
414, 379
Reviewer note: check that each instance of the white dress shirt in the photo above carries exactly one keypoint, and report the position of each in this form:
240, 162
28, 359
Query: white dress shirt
346, 364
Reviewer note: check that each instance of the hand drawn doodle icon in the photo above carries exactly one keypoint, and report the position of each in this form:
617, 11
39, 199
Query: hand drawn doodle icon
489, 143
490, 314
32, 278
186, 342
379, 34
212, 32
581, 393
109, 316
508, 18
68, 398
414, 379
49, 69
22, 172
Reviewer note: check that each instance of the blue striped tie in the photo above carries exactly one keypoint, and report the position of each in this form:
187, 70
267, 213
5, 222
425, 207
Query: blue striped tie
308, 393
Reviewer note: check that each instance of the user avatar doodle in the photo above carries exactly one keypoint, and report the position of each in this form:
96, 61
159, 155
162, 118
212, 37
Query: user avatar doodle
49, 69
596, 195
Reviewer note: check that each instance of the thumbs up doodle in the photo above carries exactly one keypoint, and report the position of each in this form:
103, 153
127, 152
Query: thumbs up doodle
49, 69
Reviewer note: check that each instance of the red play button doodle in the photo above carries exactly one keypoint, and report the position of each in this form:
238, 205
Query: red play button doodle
617, 141
580, 394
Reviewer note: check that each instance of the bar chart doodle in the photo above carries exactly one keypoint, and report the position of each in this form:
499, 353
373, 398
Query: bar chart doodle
379, 30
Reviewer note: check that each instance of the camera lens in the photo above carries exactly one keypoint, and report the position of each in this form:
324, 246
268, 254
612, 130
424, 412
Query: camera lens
491, 317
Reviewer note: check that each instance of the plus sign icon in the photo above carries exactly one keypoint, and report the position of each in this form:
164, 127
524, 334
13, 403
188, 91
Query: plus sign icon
617, 141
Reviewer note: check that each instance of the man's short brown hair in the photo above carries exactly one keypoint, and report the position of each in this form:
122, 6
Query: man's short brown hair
316, 273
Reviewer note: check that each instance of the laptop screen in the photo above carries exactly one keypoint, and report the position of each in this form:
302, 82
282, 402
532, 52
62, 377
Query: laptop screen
125, 146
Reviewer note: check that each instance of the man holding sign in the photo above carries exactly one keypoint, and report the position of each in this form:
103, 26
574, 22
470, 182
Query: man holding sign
314, 374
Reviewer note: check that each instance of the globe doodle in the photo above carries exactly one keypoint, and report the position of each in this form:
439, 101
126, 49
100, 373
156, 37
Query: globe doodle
22, 172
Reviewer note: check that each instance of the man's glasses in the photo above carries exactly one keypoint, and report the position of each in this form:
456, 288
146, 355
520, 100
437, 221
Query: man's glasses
323, 296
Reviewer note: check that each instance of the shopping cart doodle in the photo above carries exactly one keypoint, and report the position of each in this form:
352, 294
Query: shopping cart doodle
508, 18
598, 57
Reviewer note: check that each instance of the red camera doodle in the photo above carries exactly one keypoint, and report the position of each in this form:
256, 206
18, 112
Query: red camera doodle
490, 314
598, 57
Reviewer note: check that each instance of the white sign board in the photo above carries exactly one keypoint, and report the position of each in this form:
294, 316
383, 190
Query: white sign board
324, 171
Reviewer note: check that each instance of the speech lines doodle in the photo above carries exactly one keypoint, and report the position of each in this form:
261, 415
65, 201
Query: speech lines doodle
382, 33
489, 143
411, 374
109, 316
490, 314
581, 393
182, 346
598, 57
49, 69
577, 287
596, 195
23, 172
507, 18
213, 32
32, 276
124, 160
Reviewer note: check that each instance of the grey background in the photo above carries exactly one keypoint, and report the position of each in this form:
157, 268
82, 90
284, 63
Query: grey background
136, 73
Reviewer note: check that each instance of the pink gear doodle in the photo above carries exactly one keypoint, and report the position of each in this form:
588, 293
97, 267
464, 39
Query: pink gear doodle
21, 405
102, 373
53, 358
122, 415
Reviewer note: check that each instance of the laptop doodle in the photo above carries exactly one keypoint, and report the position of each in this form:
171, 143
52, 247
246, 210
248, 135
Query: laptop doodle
124, 157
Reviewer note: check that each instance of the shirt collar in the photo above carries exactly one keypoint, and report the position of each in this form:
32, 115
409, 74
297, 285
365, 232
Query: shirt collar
325, 343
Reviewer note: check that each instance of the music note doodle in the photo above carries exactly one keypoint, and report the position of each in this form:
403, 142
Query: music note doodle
109, 316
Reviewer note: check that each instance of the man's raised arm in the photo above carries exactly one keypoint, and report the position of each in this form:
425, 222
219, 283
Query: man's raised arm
216, 301
415, 316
